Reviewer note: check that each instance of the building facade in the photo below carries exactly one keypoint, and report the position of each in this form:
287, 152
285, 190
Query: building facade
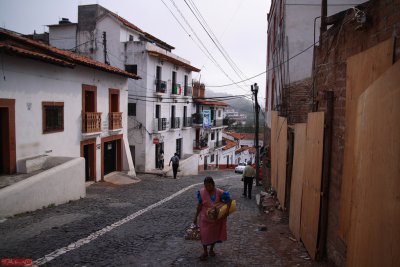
57, 103
208, 124
160, 104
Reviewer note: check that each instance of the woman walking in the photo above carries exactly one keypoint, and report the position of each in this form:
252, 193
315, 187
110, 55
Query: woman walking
211, 231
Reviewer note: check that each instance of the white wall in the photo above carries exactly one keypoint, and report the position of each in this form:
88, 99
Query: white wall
32, 82
63, 37
57, 185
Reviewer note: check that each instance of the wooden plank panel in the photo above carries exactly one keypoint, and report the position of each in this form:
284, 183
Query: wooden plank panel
274, 149
311, 197
375, 220
296, 189
282, 153
362, 70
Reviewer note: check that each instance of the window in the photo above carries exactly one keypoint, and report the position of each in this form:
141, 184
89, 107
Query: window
212, 158
131, 68
53, 117
212, 135
219, 113
130, 38
131, 109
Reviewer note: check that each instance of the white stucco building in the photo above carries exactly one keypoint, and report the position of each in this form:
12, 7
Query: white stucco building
160, 104
57, 103
208, 121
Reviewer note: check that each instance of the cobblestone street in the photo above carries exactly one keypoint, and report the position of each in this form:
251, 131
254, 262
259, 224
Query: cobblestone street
143, 224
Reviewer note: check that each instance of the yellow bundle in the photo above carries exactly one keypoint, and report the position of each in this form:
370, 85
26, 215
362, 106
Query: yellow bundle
220, 209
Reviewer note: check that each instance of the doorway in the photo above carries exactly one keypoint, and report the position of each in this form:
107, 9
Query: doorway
159, 149
111, 147
88, 152
7, 136
132, 149
179, 147
110, 157
205, 163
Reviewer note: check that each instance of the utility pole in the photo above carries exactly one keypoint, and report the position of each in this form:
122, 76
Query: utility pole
254, 90
105, 48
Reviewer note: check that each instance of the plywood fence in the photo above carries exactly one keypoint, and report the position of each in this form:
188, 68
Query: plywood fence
296, 189
362, 70
311, 196
274, 149
375, 216
282, 159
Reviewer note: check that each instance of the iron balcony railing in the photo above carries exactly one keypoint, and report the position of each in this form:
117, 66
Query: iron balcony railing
187, 122
161, 86
115, 120
175, 123
176, 89
188, 91
200, 144
160, 125
217, 123
197, 118
91, 122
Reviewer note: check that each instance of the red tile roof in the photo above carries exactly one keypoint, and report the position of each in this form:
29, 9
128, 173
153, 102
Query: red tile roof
250, 136
14, 43
210, 102
229, 144
235, 135
244, 148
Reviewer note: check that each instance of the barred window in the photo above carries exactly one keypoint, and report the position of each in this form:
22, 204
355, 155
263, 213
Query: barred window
53, 117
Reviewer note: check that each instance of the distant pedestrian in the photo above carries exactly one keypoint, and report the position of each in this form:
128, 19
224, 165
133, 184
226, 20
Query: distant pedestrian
211, 231
248, 176
175, 164
161, 160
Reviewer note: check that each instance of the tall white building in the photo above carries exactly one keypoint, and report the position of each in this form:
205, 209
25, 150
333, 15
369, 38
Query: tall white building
160, 104
208, 121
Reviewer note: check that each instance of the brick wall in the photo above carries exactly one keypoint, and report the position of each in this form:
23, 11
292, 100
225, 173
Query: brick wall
296, 101
340, 42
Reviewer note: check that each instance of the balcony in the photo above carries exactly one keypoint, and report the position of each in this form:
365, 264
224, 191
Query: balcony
188, 91
197, 119
161, 86
160, 125
91, 122
218, 123
176, 89
200, 144
187, 122
175, 123
115, 120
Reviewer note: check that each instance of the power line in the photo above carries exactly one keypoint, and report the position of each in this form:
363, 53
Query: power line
270, 69
213, 38
221, 98
208, 54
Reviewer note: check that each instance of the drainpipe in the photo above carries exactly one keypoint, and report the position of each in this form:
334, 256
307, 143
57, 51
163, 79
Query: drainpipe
314, 106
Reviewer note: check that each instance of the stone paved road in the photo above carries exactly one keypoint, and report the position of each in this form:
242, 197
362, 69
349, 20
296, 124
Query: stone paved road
148, 236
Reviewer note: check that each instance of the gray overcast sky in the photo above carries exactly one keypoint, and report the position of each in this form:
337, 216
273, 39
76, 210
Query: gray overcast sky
240, 26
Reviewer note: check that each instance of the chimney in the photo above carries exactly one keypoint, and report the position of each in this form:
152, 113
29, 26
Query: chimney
64, 21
